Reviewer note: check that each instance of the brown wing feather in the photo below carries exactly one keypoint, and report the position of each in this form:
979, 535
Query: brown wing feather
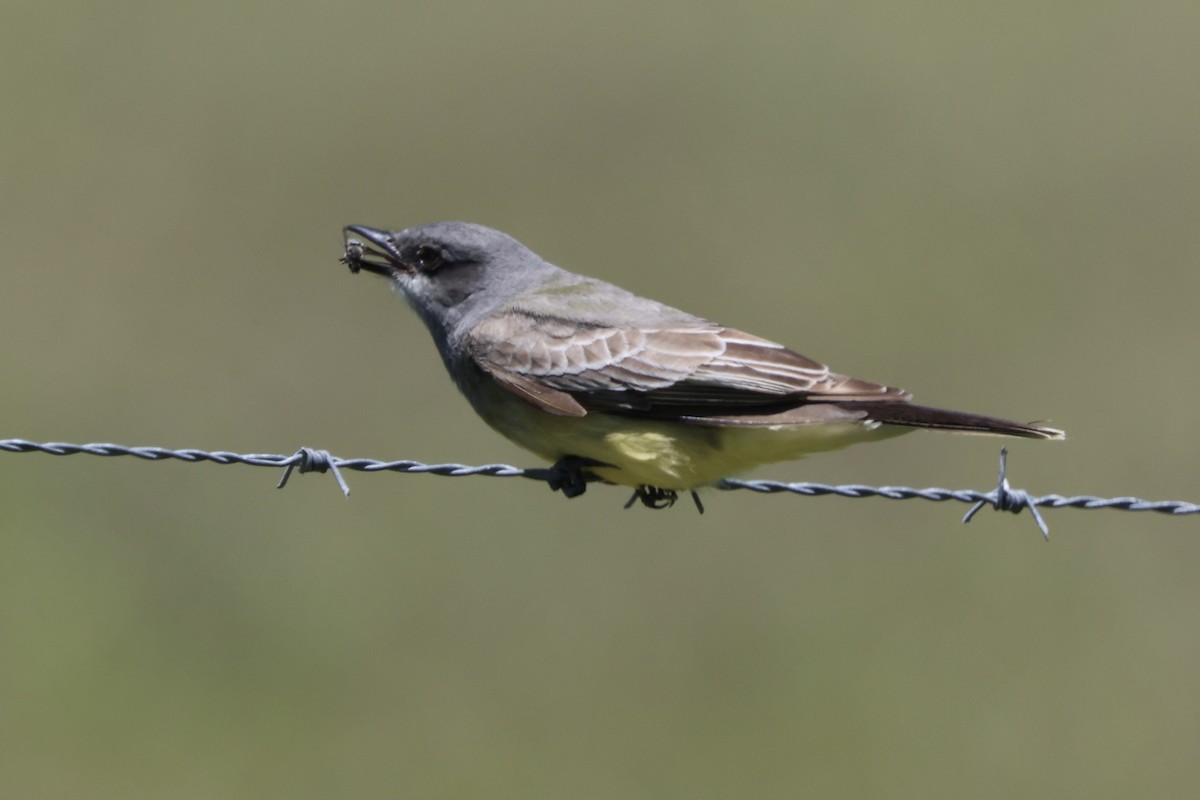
545, 398
695, 369
776, 370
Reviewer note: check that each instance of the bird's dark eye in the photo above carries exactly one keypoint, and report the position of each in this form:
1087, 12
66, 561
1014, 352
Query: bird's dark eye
428, 256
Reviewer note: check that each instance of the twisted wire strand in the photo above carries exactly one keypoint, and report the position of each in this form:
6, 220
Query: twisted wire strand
1001, 498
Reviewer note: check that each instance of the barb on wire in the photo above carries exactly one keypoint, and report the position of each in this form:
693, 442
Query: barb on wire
1005, 498
570, 477
314, 461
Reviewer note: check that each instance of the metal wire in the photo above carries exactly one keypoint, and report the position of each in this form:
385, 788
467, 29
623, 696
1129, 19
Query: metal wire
1001, 498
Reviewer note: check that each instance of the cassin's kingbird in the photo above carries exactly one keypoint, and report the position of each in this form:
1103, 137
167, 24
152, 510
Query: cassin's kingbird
590, 376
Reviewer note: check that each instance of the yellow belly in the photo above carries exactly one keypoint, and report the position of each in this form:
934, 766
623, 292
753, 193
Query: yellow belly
665, 454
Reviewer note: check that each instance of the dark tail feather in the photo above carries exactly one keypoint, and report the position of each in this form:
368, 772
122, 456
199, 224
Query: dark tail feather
914, 416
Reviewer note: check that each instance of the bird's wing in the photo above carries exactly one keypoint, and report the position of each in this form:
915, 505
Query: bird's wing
687, 367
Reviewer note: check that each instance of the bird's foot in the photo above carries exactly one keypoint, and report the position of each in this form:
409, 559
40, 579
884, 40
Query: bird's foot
654, 497
568, 475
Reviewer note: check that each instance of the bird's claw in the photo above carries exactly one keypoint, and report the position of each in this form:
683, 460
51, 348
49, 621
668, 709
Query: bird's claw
568, 475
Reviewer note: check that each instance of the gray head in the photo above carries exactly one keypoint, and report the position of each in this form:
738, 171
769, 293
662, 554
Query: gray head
452, 273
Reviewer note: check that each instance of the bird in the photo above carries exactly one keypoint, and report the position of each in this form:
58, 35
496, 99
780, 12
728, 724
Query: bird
620, 388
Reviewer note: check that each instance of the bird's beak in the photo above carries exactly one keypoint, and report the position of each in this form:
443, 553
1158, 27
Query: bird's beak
376, 254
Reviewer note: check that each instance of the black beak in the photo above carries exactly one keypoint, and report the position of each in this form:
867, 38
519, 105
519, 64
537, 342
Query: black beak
376, 254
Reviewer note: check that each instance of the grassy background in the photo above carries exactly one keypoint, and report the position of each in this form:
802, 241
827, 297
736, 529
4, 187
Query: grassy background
994, 206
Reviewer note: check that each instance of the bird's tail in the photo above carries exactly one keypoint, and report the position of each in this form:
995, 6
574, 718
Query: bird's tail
913, 416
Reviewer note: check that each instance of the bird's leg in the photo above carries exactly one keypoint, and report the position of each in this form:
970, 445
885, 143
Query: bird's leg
568, 475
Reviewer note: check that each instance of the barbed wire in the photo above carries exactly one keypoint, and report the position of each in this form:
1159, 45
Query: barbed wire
1001, 498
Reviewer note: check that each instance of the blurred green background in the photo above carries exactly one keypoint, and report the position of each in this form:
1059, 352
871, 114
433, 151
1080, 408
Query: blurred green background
995, 206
